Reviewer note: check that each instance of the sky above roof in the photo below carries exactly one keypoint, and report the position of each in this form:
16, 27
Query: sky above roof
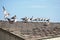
36, 8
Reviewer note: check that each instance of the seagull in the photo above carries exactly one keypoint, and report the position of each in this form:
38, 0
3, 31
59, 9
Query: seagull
12, 19
25, 19
6, 14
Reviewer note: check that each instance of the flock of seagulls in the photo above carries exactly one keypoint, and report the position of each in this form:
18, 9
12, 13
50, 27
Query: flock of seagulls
25, 19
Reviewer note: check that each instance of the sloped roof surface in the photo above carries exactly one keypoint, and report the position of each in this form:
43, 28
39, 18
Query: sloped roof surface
32, 30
